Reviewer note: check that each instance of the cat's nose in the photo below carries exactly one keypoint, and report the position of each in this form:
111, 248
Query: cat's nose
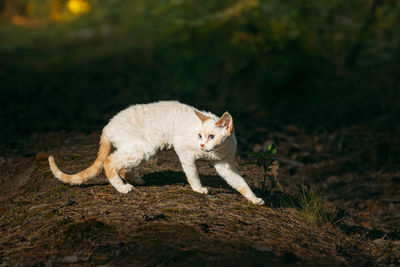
202, 145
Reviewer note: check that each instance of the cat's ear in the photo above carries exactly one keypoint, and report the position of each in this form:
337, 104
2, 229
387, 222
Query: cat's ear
226, 121
201, 116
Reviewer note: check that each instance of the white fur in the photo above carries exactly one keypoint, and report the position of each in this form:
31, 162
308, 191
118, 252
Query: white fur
138, 132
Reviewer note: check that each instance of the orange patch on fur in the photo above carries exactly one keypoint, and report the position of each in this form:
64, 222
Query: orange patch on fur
93, 170
243, 190
226, 121
201, 116
107, 167
122, 173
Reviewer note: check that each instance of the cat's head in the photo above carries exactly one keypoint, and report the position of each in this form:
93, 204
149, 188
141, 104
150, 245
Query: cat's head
214, 132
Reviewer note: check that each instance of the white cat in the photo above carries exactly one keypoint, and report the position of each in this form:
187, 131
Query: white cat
138, 132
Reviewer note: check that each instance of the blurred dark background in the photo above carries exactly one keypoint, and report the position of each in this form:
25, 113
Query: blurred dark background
70, 65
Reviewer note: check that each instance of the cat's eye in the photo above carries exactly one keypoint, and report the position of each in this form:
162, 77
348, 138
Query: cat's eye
211, 137
200, 136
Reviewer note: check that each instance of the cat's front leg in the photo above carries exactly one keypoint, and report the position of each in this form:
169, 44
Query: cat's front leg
228, 171
193, 177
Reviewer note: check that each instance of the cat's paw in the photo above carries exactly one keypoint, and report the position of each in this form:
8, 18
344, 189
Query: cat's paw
125, 188
258, 201
202, 190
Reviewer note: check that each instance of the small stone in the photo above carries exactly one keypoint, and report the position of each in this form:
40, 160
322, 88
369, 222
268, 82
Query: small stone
71, 259
264, 249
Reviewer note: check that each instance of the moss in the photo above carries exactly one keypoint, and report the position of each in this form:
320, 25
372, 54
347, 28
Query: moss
60, 191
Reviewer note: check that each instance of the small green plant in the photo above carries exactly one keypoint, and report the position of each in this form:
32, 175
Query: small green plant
269, 166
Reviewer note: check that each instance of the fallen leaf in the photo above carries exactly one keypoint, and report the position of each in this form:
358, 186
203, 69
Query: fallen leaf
41, 156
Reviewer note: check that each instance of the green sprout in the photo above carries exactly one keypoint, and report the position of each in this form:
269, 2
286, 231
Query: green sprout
269, 165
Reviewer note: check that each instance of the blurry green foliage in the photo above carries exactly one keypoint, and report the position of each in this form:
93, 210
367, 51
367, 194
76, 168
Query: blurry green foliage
290, 59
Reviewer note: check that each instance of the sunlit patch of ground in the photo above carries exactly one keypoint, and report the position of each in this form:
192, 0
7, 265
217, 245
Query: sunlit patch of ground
165, 222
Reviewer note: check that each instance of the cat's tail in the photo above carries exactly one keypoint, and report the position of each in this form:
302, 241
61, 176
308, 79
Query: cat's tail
92, 171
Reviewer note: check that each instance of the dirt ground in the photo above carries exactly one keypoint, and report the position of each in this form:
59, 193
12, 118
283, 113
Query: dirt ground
355, 170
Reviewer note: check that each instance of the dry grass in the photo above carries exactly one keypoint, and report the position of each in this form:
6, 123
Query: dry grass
163, 222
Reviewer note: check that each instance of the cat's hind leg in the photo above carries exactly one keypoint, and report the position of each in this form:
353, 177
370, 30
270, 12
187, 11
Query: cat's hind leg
116, 162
